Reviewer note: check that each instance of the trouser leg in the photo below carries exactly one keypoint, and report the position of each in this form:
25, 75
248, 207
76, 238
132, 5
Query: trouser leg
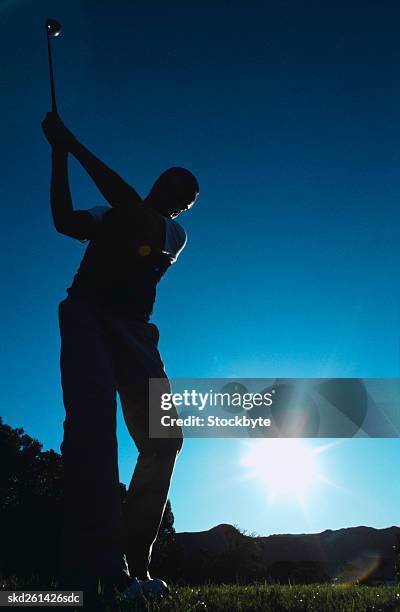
148, 490
146, 501
92, 502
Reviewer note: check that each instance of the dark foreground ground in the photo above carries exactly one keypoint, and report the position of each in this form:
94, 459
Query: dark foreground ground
260, 598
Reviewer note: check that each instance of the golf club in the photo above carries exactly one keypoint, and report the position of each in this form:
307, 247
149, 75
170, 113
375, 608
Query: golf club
53, 29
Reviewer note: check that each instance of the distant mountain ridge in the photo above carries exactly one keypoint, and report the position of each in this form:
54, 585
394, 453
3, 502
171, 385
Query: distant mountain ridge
348, 554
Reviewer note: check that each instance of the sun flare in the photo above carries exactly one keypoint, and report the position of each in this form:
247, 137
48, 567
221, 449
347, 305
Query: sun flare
285, 467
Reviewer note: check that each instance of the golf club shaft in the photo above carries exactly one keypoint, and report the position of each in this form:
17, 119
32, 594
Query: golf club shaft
52, 88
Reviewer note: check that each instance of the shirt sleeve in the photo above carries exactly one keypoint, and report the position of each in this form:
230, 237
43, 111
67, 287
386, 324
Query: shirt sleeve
175, 239
98, 212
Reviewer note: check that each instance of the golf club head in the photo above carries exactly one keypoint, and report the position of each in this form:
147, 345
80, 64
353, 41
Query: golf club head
53, 27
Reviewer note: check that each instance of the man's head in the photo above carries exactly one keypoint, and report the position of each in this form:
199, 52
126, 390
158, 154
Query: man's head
173, 192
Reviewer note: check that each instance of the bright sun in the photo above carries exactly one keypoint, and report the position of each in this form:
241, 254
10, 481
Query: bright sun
284, 466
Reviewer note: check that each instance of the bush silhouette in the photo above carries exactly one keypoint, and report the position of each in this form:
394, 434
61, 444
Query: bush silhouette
297, 572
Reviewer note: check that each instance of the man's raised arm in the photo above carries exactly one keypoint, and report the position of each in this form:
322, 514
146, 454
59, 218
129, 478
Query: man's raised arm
77, 224
114, 189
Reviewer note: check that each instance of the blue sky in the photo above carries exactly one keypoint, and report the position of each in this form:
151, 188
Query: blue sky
288, 113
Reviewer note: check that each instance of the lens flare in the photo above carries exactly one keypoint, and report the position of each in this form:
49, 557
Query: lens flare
358, 569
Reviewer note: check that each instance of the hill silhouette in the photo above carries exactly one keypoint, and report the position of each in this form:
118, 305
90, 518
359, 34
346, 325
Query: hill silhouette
356, 553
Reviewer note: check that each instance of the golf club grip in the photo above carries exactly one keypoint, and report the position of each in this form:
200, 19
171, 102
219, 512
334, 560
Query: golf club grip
52, 88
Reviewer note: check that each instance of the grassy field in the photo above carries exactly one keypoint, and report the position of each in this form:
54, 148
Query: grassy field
276, 599
260, 598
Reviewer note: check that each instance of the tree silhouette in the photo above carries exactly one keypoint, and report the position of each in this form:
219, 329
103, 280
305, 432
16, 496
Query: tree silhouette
396, 549
31, 506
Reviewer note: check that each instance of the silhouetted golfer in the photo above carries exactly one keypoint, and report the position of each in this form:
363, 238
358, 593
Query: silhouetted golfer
108, 345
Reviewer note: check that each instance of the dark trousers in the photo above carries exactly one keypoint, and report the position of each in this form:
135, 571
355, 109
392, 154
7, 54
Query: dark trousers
102, 354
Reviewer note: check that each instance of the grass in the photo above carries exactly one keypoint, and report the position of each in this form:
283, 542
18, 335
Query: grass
277, 598
260, 598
